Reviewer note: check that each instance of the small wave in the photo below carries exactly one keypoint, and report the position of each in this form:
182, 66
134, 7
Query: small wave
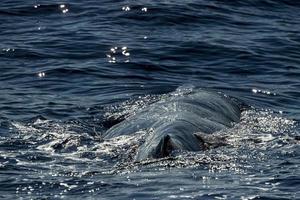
34, 54
37, 9
22, 53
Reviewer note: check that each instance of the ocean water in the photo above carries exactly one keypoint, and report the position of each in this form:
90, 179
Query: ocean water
71, 69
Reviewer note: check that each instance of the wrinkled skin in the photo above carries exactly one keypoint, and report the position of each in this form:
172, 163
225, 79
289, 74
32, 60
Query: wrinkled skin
179, 123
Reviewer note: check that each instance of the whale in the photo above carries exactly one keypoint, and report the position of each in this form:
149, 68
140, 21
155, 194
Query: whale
181, 122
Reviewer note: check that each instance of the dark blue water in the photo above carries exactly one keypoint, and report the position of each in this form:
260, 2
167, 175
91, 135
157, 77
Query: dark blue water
71, 69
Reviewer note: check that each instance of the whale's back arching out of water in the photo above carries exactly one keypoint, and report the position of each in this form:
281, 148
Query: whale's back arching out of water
179, 122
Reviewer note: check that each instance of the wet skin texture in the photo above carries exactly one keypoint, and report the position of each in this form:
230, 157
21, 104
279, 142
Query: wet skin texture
182, 122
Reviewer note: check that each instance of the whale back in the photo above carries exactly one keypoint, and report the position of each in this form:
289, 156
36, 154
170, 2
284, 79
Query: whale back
173, 122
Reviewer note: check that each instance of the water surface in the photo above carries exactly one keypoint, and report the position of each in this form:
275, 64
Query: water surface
69, 69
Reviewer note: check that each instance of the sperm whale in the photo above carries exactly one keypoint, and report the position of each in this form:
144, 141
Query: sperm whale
179, 122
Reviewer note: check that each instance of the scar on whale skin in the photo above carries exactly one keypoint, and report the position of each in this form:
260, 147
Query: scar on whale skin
180, 122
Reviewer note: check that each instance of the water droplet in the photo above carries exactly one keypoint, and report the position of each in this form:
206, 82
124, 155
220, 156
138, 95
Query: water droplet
65, 10
118, 54
126, 8
41, 74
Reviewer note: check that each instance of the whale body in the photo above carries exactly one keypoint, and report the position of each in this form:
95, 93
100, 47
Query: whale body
179, 122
